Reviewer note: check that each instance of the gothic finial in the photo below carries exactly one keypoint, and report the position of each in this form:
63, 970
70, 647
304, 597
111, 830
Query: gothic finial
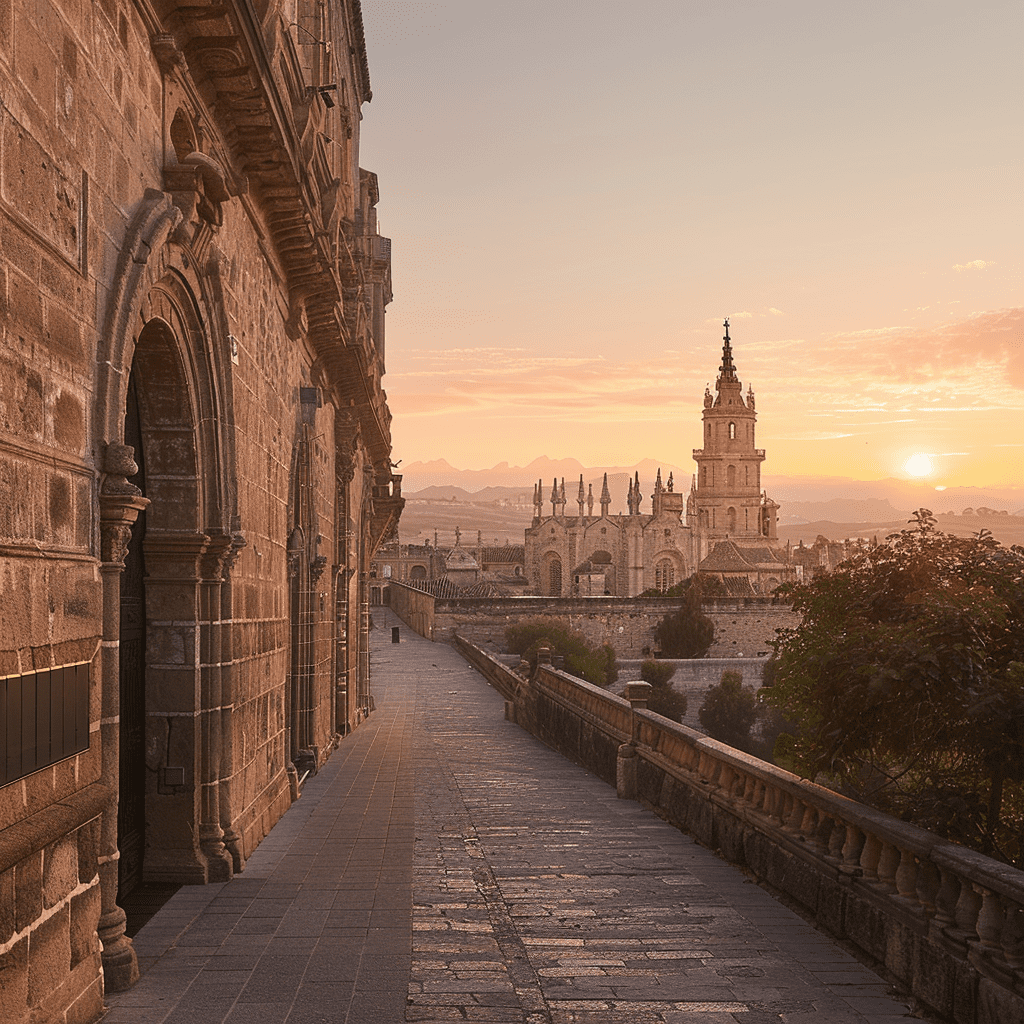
728, 369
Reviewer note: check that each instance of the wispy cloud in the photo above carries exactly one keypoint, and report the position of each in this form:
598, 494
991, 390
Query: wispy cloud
973, 265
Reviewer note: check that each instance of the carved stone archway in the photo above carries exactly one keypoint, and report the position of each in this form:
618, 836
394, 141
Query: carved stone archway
157, 333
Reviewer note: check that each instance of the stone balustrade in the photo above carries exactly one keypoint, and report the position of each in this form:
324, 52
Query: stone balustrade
943, 922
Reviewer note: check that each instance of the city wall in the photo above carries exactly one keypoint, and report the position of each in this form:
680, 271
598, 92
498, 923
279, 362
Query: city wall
942, 922
743, 626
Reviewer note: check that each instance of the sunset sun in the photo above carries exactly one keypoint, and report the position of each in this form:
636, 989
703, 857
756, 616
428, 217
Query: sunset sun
918, 465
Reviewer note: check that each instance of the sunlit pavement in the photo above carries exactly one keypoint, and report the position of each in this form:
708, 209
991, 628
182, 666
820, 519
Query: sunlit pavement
446, 866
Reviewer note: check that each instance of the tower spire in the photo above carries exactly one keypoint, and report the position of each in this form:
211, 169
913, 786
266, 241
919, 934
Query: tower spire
728, 368
606, 498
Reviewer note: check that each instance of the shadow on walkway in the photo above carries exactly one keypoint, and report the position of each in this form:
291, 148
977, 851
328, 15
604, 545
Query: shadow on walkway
446, 866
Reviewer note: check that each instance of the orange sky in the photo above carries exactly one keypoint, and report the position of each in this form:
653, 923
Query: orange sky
575, 206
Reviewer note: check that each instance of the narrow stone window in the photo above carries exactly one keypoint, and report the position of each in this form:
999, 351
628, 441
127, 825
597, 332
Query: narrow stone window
664, 575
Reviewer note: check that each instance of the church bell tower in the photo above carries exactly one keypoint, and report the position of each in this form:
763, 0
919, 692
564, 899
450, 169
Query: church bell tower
727, 495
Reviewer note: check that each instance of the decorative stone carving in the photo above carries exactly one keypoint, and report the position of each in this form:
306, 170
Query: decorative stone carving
169, 57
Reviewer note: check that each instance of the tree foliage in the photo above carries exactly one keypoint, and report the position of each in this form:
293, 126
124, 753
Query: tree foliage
730, 710
687, 632
664, 700
906, 677
594, 664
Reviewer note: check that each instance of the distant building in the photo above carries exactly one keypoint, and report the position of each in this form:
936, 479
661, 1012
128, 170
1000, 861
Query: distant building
725, 526
481, 571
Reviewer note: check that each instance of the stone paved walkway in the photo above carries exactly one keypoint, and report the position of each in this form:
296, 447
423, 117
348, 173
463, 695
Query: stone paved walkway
445, 866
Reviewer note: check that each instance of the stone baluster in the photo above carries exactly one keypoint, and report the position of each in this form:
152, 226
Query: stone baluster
888, 863
759, 796
851, 850
794, 815
967, 907
809, 824
750, 790
990, 918
869, 857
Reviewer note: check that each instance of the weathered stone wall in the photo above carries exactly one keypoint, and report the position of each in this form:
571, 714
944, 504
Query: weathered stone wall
176, 239
743, 626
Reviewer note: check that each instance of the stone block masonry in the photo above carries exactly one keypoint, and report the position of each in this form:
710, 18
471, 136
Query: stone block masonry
195, 453
743, 626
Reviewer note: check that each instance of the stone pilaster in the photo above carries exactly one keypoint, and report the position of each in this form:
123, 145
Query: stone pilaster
120, 504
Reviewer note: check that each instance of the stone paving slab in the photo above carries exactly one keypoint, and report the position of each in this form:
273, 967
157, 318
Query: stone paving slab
446, 866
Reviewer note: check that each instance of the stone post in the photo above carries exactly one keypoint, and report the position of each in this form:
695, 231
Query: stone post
120, 504
627, 762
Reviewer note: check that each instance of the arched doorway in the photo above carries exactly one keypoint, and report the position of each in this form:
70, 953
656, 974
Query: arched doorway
168, 810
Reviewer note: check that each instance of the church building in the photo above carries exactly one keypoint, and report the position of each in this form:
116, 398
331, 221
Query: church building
725, 526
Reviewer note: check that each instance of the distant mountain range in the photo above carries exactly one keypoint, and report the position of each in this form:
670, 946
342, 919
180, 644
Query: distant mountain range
811, 498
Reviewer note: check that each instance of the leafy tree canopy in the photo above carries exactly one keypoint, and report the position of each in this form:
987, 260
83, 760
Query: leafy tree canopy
664, 700
686, 632
906, 677
729, 711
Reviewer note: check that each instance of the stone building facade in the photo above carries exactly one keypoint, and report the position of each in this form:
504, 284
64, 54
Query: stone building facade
194, 452
498, 570
724, 518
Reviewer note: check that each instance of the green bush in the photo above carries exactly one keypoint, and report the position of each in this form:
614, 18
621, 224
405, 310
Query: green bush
686, 632
664, 700
729, 711
657, 673
595, 665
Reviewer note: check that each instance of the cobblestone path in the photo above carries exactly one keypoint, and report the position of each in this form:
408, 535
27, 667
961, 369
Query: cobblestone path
445, 866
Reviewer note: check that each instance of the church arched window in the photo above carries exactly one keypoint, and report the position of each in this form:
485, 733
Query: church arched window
555, 577
732, 520
732, 431
730, 474
418, 572
664, 575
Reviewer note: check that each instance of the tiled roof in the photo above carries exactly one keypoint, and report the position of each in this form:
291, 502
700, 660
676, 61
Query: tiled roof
725, 557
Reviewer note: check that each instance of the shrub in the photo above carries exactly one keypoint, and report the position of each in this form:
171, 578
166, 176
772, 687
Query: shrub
686, 632
664, 700
595, 665
729, 711
657, 673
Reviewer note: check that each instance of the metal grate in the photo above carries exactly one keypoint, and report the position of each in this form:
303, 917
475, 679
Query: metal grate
44, 718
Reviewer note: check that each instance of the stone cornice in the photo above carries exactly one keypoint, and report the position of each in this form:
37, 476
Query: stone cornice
224, 48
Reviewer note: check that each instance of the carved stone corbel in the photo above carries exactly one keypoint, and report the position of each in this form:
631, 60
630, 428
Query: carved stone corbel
169, 57
120, 502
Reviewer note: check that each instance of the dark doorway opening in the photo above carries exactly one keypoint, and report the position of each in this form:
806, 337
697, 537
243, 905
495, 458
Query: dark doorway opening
131, 808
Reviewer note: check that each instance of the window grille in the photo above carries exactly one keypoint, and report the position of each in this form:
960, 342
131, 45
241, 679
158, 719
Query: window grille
44, 718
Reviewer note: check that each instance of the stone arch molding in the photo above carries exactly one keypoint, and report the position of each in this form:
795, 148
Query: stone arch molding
157, 278
167, 311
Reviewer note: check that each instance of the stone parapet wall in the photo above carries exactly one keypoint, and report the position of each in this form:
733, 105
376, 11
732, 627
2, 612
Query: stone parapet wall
941, 921
743, 626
